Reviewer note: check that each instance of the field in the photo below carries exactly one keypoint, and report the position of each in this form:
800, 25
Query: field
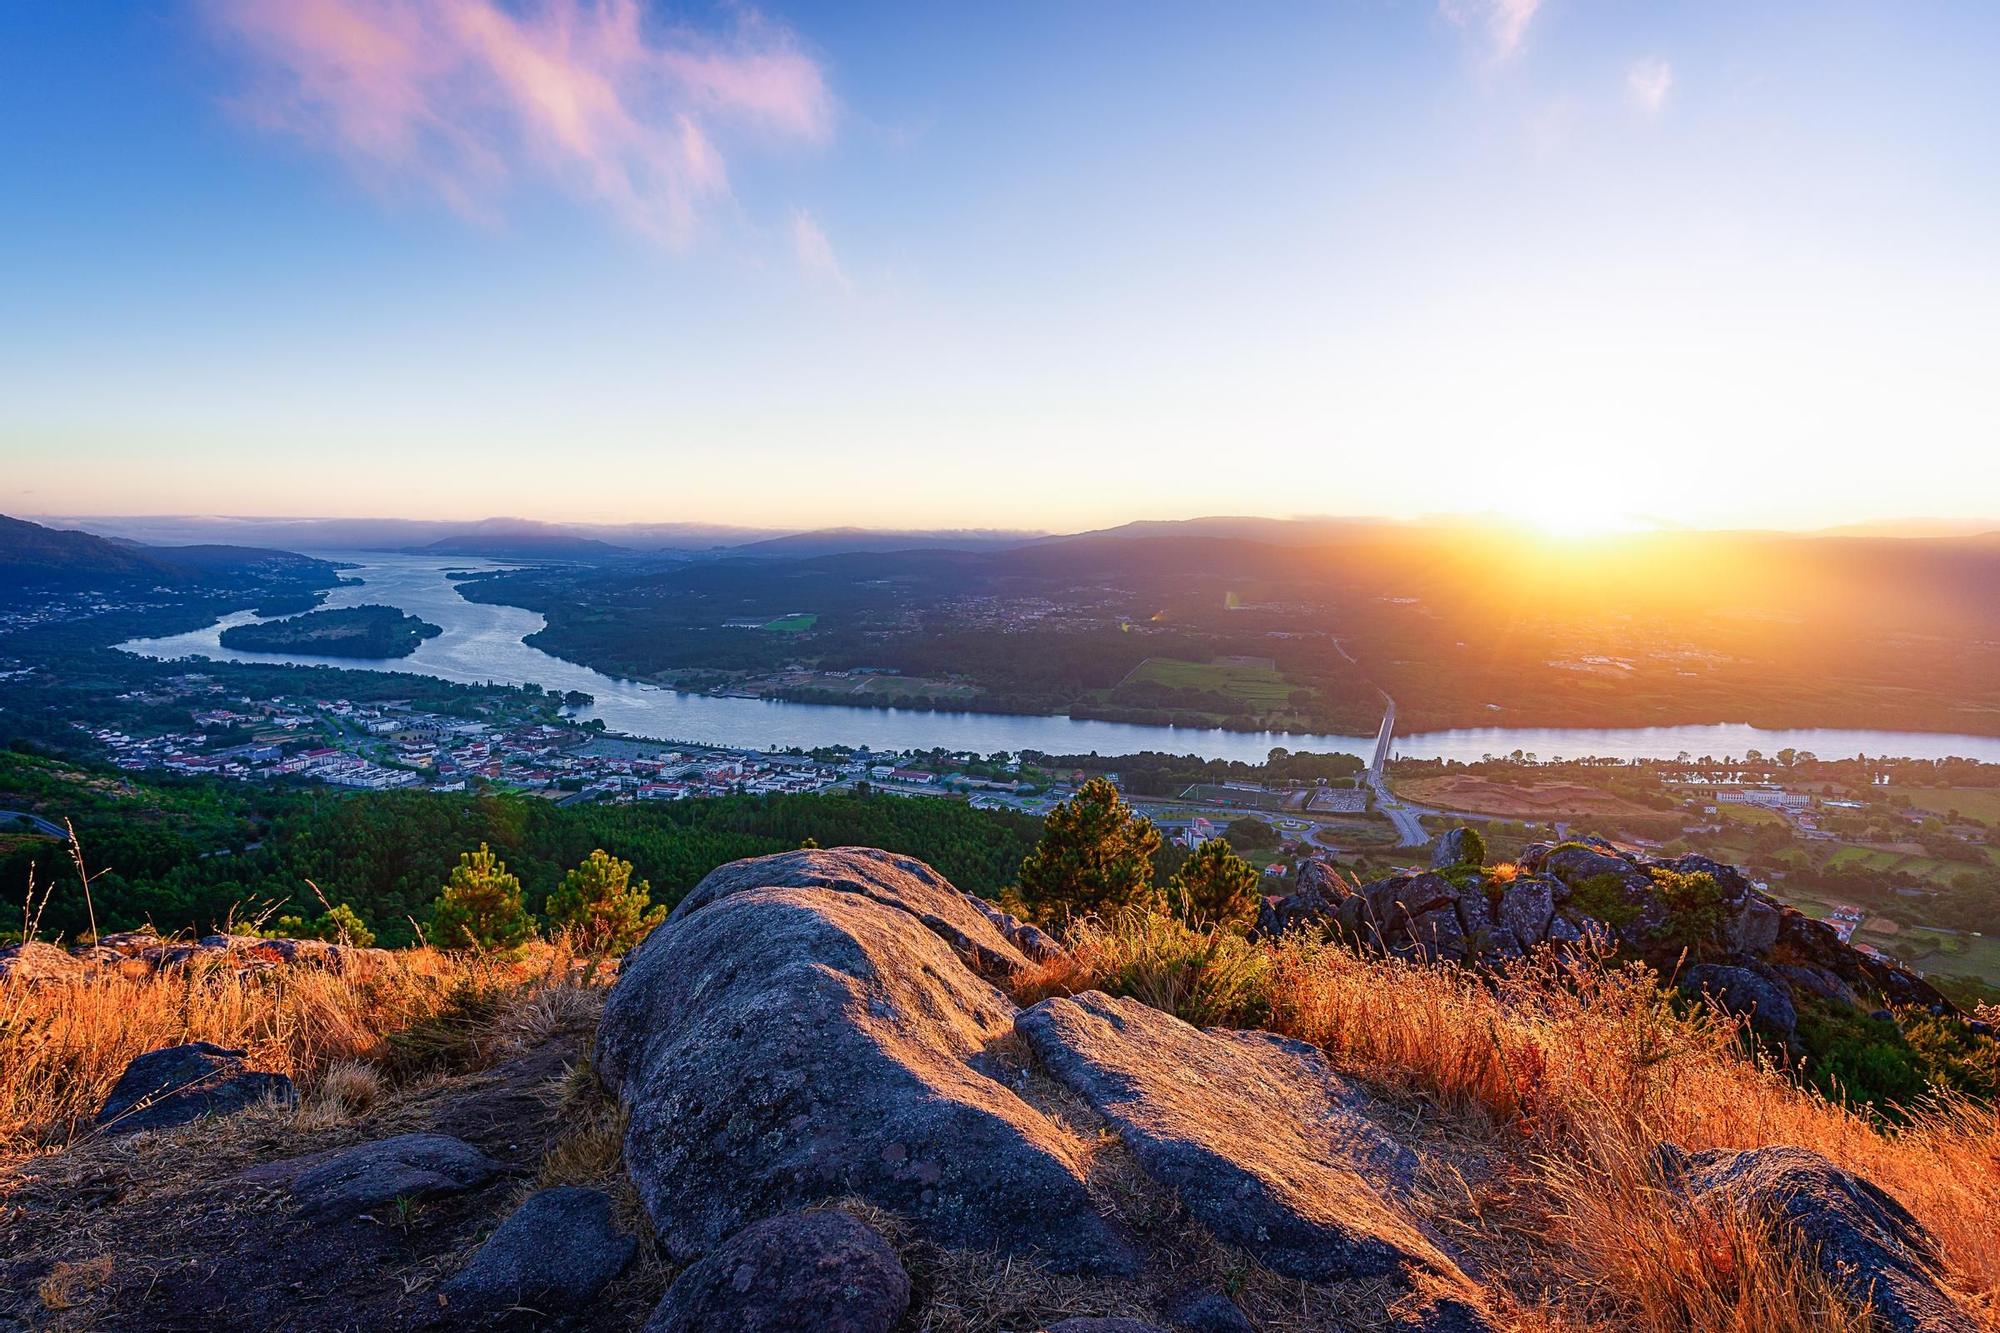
1914, 864
1513, 800
795, 624
1251, 681
1981, 803
1209, 794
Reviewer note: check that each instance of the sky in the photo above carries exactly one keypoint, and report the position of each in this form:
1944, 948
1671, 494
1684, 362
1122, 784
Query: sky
1044, 265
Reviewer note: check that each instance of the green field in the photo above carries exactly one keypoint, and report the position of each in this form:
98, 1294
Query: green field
1255, 683
1919, 867
1243, 800
792, 624
1981, 803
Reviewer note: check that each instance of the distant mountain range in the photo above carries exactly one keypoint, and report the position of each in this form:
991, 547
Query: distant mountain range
35, 556
527, 539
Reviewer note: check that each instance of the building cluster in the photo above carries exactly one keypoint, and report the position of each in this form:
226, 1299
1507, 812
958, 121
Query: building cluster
380, 746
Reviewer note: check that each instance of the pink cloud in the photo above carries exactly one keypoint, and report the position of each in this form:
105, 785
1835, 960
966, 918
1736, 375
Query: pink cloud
467, 97
1505, 21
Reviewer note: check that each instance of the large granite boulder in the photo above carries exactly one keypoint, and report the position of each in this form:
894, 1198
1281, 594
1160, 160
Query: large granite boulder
375, 1175
1459, 846
176, 1085
1263, 1143
823, 1270
1747, 994
899, 882
782, 1046
36, 963
552, 1255
1865, 1242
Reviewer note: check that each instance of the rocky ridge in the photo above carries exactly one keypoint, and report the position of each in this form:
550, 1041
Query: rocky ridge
1722, 936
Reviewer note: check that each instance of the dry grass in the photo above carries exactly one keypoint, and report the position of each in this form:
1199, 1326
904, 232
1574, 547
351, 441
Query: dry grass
1572, 1076
63, 1044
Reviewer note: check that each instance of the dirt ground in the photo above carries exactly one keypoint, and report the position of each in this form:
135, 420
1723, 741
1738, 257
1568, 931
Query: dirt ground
1515, 801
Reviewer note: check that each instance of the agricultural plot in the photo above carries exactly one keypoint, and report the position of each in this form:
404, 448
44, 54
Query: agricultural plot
1233, 798
1252, 681
1981, 803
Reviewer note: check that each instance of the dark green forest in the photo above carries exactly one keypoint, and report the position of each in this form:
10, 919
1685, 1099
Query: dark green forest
189, 854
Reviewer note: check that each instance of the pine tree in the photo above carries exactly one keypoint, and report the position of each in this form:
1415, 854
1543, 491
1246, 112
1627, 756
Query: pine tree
481, 907
1095, 855
1215, 887
600, 905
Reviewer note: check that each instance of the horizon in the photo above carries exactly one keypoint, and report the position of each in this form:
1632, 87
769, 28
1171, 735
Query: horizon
797, 267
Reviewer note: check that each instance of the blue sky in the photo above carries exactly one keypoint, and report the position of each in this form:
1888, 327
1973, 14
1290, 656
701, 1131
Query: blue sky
1046, 265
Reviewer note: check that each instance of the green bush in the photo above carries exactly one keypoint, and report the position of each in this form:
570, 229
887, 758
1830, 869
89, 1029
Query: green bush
1095, 855
601, 907
481, 907
1215, 887
1603, 896
1693, 907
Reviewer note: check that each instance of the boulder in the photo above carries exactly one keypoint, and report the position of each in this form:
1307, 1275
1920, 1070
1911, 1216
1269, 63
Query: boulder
179, 1084
1034, 942
786, 1046
1317, 894
825, 1271
1527, 905
36, 963
900, 882
1753, 927
555, 1253
1210, 1311
1454, 847
408, 1166
1865, 1242
1747, 994
1263, 1143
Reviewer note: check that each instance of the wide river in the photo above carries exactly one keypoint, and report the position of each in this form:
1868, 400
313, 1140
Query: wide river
483, 644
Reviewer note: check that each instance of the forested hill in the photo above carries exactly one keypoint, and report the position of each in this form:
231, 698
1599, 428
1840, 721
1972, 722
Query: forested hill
187, 854
32, 555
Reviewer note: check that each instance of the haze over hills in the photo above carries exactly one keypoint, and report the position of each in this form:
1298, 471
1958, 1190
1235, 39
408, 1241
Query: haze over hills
32, 555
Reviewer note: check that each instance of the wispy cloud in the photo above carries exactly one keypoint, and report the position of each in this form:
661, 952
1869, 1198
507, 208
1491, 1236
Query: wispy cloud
1649, 81
814, 252
1504, 23
466, 98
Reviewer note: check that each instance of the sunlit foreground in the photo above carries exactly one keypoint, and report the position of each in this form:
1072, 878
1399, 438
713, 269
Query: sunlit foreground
1538, 1106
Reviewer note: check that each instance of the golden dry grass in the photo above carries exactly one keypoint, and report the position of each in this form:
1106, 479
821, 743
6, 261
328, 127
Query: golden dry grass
64, 1043
1571, 1076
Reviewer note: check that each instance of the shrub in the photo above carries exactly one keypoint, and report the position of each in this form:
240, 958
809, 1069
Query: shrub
338, 924
1603, 896
1693, 905
1095, 856
1205, 977
1215, 887
481, 907
598, 903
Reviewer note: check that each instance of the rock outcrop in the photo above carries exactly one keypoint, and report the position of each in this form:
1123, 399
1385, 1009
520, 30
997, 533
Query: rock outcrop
140, 953
1865, 1242
177, 1085
403, 1169
553, 1254
823, 1270
1259, 1138
1753, 955
785, 1045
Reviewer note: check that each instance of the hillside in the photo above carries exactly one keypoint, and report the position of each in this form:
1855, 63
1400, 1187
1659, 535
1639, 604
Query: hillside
833, 1091
34, 556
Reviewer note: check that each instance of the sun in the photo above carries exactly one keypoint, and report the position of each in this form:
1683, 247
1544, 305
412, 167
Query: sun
1585, 523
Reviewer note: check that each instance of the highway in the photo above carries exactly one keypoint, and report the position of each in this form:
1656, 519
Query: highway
1409, 830
42, 826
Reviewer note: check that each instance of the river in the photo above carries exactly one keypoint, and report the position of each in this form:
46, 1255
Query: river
483, 643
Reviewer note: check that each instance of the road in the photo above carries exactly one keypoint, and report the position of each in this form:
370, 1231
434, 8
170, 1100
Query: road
1409, 829
34, 822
